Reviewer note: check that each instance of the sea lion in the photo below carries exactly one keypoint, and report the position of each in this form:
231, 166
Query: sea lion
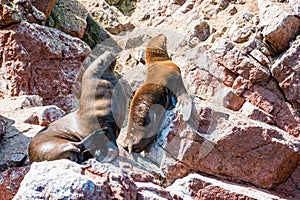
92, 129
162, 88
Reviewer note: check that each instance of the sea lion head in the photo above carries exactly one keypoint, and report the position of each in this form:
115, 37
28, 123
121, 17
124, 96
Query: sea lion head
156, 49
147, 110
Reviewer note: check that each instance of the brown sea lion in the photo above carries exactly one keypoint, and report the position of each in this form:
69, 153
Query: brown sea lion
93, 128
163, 85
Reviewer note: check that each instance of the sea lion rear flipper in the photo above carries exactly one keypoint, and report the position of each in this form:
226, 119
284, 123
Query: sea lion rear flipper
184, 106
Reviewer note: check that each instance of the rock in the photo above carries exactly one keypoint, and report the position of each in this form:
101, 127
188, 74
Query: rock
240, 32
290, 188
112, 2
295, 6
42, 61
222, 4
43, 115
287, 73
152, 191
127, 7
221, 47
44, 6
70, 17
195, 186
233, 102
14, 143
11, 180
269, 98
17, 159
255, 113
280, 25
232, 10
239, 63
229, 147
109, 17
16, 11
261, 58
200, 33
66, 179
187, 6
9, 14
93, 32
16, 103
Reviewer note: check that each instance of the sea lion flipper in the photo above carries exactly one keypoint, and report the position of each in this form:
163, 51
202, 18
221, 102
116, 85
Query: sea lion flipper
100, 146
184, 106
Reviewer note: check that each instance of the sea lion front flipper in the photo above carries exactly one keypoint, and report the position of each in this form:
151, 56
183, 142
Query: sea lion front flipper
100, 146
184, 106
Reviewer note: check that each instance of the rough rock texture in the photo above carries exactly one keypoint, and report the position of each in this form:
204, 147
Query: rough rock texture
44, 6
70, 17
9, 14
239, 150
280, 24
239, 61
92, 181
127, 7
110, 18
286, 71
15, 11
43, 61
16, 103
14, 144
195, 186
42, 115
22, 117
290, 188
10, 181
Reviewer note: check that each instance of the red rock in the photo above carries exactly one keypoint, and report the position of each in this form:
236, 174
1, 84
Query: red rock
42, 116
231, 147
15, 12
9, 14
152, 191
286, 118
269, 98
278, 31
44, 6
66, 179
240, 84
228, 77
290, 189
233, 102
10, 181
253, 112
42, 61
245, 66
195, 186
287, 72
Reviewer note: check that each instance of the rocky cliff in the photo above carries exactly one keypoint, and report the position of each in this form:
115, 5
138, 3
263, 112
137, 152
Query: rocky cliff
239, 61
